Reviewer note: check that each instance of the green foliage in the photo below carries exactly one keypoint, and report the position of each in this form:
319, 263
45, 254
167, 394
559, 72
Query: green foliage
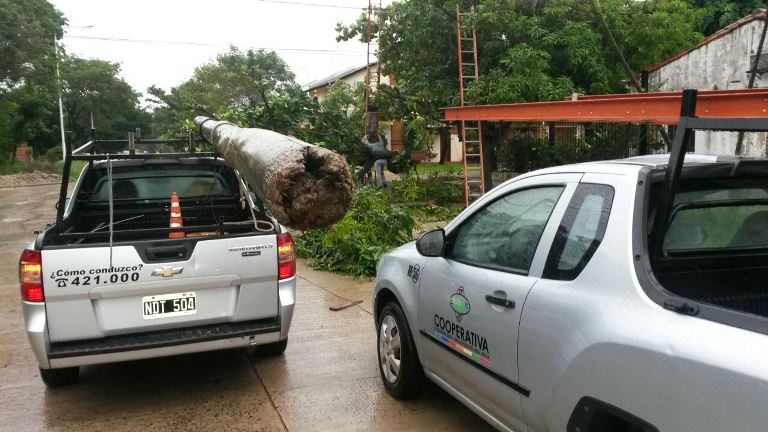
437, 188
720, 13
253, 88
27, 73
523, 76
528, 51
7, 126
27, 32
337, 122
353, 246
436, 213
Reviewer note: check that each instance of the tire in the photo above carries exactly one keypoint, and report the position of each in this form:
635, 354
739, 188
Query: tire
400, 368
273, 349
59, 377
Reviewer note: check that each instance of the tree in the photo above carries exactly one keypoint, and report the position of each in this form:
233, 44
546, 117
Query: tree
27, 33
528, 51
94, 87
719, 13
254, 88
337, 121
27, 73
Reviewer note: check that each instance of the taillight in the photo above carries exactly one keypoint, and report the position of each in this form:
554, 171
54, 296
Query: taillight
286, 256
30, 276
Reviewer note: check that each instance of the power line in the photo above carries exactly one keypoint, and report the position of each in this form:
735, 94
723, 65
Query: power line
313, 4
156, 41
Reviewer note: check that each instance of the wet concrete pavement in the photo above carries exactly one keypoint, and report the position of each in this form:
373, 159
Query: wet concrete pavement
327, 380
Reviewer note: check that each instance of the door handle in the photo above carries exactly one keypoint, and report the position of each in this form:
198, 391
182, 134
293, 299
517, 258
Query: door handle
166, 253
498, 301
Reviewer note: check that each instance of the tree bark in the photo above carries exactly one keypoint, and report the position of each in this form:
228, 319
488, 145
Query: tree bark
304, 186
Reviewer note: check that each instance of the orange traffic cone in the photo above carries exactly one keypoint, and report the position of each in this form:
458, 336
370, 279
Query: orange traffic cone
176, 221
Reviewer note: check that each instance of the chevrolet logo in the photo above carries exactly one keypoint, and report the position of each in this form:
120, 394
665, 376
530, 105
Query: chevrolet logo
167, 271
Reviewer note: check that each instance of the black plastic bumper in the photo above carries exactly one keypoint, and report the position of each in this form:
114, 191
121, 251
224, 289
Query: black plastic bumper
161, 339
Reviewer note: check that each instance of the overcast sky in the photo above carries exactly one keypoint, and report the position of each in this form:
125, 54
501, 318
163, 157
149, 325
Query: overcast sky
206, 28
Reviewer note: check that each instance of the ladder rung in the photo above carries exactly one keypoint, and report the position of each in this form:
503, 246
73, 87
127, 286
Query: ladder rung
473, 154
472, 142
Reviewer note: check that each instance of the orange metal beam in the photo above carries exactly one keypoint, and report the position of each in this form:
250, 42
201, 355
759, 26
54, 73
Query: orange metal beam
652, 108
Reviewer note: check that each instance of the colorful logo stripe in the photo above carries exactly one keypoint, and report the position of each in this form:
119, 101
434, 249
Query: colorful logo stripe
461, 349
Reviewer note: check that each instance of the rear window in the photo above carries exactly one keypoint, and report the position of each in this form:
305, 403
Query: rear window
160, 185
718, 215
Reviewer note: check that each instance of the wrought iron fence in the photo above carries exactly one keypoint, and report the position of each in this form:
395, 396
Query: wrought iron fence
528, 146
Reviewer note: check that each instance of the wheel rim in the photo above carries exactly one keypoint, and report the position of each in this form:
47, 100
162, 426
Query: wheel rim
390, 354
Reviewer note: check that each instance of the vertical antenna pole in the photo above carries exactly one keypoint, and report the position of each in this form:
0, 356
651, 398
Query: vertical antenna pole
61, 104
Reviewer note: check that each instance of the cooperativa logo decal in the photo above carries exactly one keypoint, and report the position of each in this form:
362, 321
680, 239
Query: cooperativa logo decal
459, 303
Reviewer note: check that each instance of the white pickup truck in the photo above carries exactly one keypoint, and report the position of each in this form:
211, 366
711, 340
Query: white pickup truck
123, 276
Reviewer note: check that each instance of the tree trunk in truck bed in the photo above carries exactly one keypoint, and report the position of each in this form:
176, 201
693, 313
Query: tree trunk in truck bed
304, 186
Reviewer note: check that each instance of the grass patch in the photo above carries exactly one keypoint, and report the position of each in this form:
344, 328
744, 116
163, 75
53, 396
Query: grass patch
430, 168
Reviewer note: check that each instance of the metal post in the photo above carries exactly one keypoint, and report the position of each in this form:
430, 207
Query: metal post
674, 168
131, 143
61, 105
643, 147
64, 185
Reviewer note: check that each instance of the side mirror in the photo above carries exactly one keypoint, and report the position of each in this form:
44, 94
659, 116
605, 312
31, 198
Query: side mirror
432, 243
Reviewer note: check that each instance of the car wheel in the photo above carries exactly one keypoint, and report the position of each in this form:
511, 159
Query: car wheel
59, 377
399, 363
273, 349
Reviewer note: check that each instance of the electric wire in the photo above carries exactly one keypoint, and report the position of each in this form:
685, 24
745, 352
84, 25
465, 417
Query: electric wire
158, 41
313, 4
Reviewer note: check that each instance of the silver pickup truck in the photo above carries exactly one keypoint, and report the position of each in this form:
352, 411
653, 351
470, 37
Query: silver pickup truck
618, 296
126, 273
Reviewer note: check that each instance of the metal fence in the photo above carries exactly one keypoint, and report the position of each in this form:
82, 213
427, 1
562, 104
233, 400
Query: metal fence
527, 146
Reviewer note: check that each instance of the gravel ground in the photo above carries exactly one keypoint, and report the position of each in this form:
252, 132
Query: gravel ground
32, 178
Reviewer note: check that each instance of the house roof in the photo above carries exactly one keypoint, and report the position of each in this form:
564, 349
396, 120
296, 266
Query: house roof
330, 79
759, 14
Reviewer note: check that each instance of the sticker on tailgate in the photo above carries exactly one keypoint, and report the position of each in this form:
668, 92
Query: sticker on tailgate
97, 276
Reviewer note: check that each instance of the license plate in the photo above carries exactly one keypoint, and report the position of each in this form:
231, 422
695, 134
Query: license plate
169, 305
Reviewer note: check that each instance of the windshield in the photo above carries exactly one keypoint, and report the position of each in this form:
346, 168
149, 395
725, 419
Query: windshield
160, 185
719, 214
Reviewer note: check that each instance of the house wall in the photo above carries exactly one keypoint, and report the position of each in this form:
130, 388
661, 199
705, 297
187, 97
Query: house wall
722, 64
352, 79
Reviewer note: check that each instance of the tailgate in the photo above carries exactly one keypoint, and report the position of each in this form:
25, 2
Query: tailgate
216, 280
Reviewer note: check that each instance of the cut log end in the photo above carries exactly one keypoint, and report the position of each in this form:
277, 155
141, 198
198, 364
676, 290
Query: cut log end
310, 187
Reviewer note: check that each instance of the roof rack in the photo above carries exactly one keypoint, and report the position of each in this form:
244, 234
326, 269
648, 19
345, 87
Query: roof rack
686, 126
88, 152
